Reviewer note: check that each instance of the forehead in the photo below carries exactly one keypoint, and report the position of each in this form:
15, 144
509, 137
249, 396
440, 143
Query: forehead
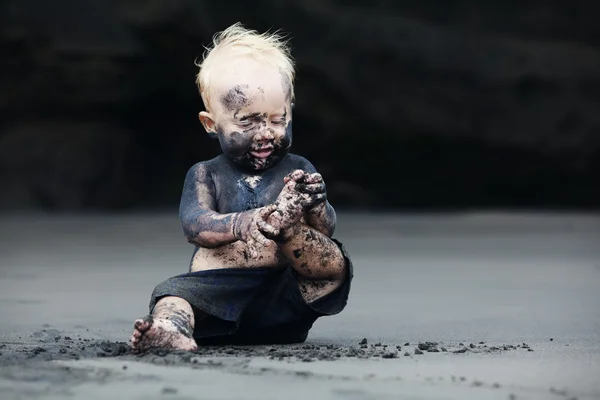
243, 81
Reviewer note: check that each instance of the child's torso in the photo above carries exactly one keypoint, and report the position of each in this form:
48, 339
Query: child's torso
241, 191
238, 191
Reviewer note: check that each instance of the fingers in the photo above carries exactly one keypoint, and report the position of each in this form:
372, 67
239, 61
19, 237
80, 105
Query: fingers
296, 175
267, 228
301, 176
264, 213
312, 188
251, 248
313, 178
315, 199
259, 238
262, 222
254, 242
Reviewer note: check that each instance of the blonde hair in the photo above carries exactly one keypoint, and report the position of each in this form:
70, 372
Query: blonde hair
268, 48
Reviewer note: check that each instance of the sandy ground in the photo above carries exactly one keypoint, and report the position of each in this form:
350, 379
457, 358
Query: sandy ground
509, 303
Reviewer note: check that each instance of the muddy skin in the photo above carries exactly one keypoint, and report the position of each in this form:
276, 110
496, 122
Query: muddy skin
237, 145
215, 190
229, 256
312, 290
225, 198
320, 214
318, 262
299, 197
202, 225
170, 326
235, 99
182, 321
319, 259
159, 339
313, 255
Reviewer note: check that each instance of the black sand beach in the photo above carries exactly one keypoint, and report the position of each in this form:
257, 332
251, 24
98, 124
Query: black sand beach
484, 305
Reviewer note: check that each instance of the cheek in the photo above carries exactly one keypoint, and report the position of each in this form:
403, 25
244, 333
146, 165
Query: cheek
237, 139
282, 133
286, 138
235, 142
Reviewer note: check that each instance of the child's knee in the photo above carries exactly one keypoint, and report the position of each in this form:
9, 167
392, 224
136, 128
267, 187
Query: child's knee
337, 268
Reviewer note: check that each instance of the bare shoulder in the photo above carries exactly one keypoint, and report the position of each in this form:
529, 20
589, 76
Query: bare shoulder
202, 171
198, 188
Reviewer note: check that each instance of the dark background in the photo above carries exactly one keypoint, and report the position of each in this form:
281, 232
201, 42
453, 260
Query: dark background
401, 105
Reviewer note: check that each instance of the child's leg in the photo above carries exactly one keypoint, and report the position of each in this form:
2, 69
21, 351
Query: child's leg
317, 259
170, 327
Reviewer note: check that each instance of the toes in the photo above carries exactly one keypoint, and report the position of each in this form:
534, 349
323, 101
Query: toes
136, 336
141, 326
134, 344
192, 347
155, 334
144, 324
138, 323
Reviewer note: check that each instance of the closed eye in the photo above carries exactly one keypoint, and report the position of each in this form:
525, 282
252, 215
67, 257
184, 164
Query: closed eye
245, 124
278, 122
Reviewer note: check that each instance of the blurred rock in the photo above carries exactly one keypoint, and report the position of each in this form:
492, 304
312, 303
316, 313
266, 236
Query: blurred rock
431, 104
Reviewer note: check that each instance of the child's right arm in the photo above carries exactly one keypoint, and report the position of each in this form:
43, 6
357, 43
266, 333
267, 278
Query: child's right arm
205, 227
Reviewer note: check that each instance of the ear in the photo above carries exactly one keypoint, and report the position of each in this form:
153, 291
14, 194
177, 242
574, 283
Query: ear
208, 123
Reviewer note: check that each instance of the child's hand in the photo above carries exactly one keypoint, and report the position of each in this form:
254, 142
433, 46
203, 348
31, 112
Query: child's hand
313, 185
311, 188
317, 214
251, 227
301, 193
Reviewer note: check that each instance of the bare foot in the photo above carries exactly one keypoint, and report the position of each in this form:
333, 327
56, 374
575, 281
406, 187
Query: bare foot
150, 333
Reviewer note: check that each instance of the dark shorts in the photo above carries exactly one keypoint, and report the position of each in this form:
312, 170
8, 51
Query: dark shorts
252, 306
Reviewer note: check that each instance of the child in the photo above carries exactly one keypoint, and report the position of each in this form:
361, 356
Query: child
264, 266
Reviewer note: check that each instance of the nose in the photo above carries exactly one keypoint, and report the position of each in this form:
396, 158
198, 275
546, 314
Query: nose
264, 136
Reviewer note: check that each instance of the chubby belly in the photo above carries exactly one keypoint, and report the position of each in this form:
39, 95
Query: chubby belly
233, 255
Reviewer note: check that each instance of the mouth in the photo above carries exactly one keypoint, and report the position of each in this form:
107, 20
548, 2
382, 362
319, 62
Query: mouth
263, 152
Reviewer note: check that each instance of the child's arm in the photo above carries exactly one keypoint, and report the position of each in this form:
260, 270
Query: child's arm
205, 227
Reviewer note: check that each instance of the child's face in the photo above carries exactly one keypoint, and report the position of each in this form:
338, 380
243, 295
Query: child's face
250, 113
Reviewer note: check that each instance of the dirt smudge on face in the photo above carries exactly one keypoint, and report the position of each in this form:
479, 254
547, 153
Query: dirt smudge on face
236, 98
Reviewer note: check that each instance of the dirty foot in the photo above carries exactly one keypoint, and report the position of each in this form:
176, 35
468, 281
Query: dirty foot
150, 333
